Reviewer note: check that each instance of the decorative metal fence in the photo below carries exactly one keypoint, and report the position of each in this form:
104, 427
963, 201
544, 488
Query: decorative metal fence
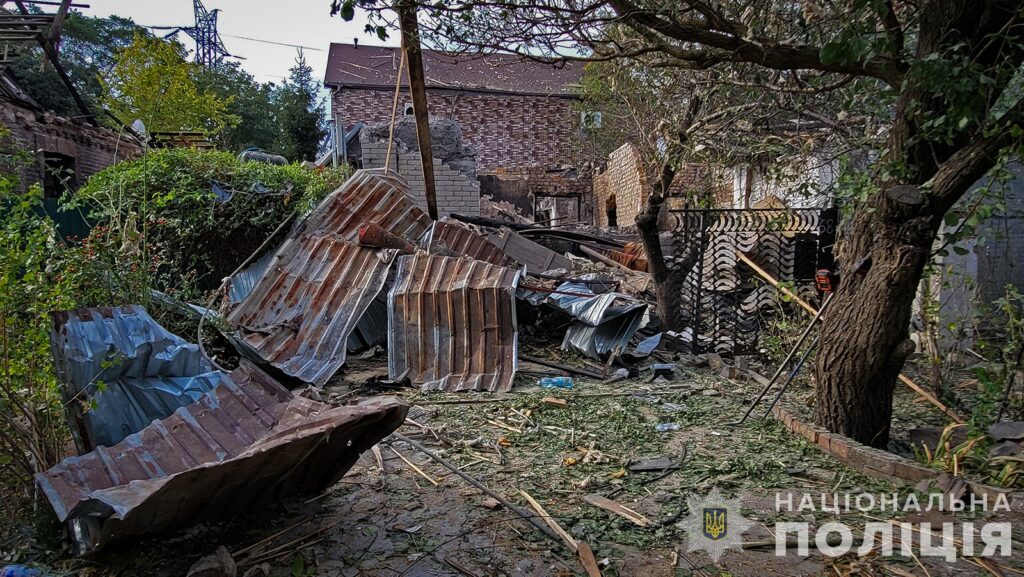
724, 300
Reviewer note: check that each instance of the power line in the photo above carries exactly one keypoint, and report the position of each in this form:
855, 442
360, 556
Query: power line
276, 43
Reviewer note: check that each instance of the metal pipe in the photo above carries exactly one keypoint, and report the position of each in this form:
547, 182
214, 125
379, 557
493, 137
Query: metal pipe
792, 374
782, 365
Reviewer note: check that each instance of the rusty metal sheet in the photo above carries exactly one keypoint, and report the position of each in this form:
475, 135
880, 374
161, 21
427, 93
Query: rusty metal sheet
126, 368
306, 307
450, 236
245, 443
301, 314
453, 323
369, 195
536, 257
633, 256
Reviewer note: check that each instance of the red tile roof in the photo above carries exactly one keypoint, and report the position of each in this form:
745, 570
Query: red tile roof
375, 67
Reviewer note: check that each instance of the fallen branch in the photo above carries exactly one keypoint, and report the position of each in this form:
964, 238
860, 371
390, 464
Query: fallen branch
566, 368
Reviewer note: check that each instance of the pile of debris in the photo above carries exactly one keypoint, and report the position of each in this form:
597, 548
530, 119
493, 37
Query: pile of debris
172, 439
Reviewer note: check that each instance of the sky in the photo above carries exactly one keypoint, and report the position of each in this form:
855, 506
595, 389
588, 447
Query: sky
305, 23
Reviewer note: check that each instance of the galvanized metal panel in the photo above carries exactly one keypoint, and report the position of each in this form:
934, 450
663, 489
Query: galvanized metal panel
453, 323
245, 443
146, 371
603, 321
308, 306
302, 312
450, 236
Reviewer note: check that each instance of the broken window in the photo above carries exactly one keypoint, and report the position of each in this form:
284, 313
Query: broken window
59, 174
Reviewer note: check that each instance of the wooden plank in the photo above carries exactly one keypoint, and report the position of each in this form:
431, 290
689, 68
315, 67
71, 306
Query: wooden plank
617, 508
587, 558
566, 537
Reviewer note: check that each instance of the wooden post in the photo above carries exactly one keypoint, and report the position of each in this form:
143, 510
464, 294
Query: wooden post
417, 83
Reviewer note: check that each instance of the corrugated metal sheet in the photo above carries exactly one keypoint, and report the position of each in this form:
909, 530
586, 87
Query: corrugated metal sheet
304, 309
369, 195
536, 257
310, 304
603, 321
147, 371
245, 443
450, 236
246, 279
453, 323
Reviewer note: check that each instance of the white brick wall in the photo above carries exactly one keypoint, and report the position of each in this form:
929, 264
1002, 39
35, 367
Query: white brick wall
455, 192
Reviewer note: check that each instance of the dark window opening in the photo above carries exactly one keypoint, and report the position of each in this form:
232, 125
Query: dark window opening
59, 174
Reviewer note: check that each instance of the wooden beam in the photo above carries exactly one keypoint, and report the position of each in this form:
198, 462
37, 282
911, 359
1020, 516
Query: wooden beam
903, 378
417, 83
51, 53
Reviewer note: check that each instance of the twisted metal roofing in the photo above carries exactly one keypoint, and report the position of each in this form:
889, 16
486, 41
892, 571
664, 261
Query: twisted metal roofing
127, 367
307, 306
246, 442
453, 323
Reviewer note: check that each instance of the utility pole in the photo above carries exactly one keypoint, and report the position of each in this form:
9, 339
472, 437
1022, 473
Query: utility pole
414, 57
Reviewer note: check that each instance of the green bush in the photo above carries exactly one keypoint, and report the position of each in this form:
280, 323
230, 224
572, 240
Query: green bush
33, 435
160, 208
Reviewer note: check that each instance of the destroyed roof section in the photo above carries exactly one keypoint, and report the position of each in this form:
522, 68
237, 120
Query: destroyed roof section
461, 240
375, 67
536, 257
301, 313
369, 195
309, 305
453, 324
603, 322
147, 371
247, 442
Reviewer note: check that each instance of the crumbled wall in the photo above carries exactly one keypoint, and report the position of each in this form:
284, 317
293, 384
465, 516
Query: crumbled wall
624, 177
93, 148
551, 188
457, 188
505, 129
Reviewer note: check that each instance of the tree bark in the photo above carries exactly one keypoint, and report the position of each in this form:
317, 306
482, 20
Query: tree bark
865, 336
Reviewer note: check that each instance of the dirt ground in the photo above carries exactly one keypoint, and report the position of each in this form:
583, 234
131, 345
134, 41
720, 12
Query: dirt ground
386, 519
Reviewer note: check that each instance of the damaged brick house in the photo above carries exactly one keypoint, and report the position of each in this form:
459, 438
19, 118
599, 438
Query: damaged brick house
67, 151
517, 119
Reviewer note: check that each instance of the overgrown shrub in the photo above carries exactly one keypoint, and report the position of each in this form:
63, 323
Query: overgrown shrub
33, 435
189, 217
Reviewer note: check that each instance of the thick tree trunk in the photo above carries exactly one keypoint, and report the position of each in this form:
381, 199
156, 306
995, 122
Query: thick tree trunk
865, 338
668, 281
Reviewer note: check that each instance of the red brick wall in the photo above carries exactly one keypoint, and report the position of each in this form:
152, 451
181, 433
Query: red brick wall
93, 148
505, 130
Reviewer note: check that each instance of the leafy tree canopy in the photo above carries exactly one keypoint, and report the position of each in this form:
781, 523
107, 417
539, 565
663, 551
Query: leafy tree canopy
151, 81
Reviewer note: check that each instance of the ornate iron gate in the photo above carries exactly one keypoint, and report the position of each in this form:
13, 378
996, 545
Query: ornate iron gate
726, 301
